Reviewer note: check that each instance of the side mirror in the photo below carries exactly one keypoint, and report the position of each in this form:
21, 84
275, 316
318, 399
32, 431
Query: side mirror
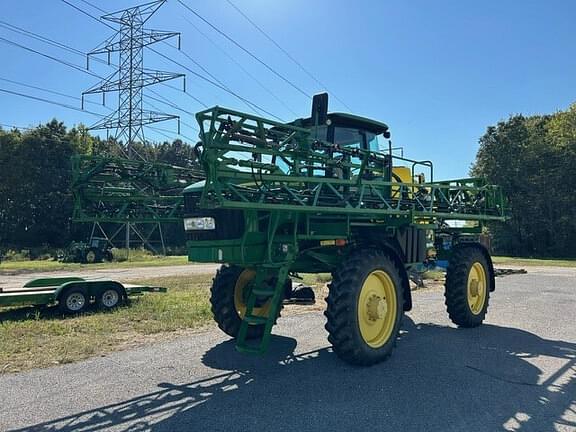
386, 135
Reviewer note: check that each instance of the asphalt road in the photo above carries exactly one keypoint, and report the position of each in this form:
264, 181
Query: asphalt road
515, 373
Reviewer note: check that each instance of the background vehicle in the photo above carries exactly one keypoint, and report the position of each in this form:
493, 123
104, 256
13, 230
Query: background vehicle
97, 251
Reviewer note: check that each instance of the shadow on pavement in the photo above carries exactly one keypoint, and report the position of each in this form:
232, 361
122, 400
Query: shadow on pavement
438, 379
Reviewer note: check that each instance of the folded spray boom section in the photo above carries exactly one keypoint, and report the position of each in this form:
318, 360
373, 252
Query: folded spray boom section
254, 163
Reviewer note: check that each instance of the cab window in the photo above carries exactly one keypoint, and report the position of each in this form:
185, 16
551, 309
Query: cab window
348, 137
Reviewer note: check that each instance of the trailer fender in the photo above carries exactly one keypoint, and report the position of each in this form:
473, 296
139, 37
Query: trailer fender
91, 287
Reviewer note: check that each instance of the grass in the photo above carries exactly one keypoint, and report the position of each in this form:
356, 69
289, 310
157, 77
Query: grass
501, 260
25, 266
32, 337
42, 337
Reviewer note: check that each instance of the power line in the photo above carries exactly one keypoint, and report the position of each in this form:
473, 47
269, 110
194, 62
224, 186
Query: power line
209, 73
63, 46
255, 106
170, 104
130, 41
187, 94
94, 6
36, 36
242, 68
48, 91
59, 45
72, 65
49, 101
47, 40
16, 127
250, 53
305, 70
159, 130
73, 50
216, 84
87, 14
179, 119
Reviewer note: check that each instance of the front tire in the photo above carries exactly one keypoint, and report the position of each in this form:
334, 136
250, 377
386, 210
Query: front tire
365, 307
468, 286
230, 289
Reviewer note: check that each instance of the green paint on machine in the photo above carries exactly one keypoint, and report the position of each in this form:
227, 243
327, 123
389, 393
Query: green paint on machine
308, 195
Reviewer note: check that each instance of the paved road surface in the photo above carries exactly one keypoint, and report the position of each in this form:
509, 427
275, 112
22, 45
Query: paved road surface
121, 274
516, 373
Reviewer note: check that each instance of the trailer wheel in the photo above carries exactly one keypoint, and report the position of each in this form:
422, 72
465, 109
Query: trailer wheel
74, 300
467, 287
365, 307
110, 298
228, 296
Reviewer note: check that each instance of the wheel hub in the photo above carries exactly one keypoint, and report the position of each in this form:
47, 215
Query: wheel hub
376, 307
477, 287
474, 288
75, 301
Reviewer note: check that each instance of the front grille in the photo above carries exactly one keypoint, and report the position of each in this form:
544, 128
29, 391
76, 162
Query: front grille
191, 201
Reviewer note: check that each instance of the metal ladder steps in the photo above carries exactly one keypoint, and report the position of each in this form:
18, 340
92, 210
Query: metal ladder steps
255, 320
262, 292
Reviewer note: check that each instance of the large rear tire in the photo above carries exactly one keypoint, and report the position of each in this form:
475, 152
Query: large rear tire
365, 307
468, 286
230, 289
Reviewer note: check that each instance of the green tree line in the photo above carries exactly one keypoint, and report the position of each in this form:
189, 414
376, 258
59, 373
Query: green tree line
534, 160
35, 174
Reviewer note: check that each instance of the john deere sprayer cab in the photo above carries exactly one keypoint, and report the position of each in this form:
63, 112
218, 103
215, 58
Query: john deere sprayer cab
318, 195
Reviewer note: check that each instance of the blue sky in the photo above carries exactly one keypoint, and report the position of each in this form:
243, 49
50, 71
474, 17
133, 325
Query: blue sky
438, 73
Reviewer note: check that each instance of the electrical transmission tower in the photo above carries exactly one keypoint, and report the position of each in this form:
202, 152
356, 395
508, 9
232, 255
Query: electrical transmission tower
131, 77
127, 124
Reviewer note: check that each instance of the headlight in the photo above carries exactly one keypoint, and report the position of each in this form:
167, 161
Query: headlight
200, 223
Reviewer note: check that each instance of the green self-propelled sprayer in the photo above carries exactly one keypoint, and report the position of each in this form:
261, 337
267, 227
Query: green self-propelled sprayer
319, 195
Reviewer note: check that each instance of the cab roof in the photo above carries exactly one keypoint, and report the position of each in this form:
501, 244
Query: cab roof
350, 121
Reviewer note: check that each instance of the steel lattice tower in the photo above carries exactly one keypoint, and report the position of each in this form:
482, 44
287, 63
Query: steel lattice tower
130, 118
131, 77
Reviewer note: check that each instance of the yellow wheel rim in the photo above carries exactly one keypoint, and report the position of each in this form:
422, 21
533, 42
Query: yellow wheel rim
377, 309
476, 288
241, 295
